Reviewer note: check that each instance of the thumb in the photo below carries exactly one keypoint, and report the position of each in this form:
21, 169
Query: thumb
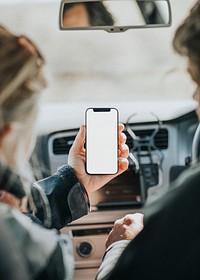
79, 140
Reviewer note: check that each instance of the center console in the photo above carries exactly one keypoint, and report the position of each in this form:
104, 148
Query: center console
124, 194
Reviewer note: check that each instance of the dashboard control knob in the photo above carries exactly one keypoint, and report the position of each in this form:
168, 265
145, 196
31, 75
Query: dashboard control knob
84, 249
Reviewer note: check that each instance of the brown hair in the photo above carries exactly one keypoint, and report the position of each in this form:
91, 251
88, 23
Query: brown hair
186, 41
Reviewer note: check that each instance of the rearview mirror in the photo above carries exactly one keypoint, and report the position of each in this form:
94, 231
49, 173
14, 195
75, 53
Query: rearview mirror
114, 15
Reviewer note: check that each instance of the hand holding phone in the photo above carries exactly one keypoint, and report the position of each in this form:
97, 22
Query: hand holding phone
77, 160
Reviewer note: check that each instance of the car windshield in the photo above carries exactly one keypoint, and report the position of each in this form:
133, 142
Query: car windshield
99, 66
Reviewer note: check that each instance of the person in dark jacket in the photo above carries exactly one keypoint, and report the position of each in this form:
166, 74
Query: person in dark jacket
50, 204
168, 247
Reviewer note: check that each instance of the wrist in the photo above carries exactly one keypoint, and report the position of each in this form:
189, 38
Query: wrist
75, 178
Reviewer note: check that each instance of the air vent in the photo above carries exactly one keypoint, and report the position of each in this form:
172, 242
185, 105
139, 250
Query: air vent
62, 145
161, 138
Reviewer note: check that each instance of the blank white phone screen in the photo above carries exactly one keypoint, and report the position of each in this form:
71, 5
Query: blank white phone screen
102, 141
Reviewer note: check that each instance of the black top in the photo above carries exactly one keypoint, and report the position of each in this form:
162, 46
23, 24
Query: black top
169, 245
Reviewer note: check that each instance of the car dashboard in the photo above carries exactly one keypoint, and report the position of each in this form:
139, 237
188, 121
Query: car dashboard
162, 150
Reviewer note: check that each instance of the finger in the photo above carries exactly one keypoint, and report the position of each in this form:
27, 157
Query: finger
129, 219
134, 218
118, 222
124, 151
123, 165
79, 140
138, 219
122, 138
120, 127
135, 221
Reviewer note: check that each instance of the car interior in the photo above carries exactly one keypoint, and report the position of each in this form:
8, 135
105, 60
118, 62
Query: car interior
129, 65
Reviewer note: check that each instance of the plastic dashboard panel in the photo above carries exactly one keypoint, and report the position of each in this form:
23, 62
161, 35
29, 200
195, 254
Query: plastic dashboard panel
89, 233
180, 134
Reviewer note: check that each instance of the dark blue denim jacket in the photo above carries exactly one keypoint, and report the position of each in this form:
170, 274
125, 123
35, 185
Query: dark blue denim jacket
67, 198
58, 199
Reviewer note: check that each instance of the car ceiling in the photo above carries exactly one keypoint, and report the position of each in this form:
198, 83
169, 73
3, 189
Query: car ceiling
99, 66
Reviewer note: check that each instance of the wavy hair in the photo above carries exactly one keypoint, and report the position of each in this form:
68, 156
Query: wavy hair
186, 41
21, 81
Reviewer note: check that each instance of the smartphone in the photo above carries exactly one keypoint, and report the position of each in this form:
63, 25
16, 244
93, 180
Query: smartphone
102, 140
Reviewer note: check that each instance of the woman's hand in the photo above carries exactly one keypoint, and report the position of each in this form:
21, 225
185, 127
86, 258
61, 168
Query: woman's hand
126, 228
77, 156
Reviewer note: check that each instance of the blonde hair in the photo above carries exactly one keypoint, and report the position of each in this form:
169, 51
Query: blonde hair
21, 81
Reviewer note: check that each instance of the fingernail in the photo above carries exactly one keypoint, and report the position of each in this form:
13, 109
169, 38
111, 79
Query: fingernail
124, 147
123, 159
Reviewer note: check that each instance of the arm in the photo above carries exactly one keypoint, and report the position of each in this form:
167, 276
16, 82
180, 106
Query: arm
111, 257
67, 190
67, 198
125, 230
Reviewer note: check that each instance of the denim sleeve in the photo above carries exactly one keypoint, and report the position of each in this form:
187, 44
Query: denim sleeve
67, 197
